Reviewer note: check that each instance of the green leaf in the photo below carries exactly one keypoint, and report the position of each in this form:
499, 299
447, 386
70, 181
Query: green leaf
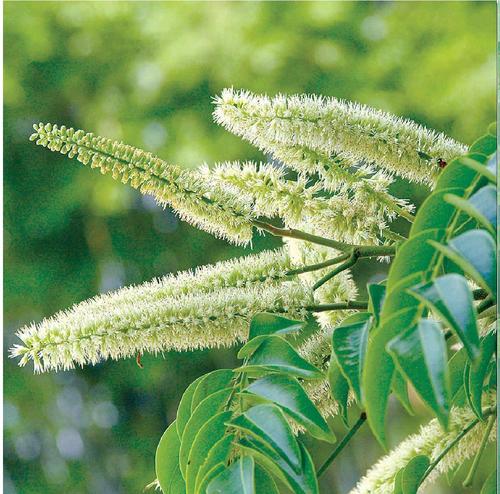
420, 353
490, 484
474, 251
450, 297
274, 354
400, 388
481, 206
479, 168
239, 478
409, 477
266, 323
303, 483
492, 129
435, 212
287, 393
218, 455
486, 145
167, 468
478, 372
209, 434
210, 406
349, 343
211, 382
339, 387
456, 366
264, 483
379, 370
184, 409
267, 423
376, 295
491, 165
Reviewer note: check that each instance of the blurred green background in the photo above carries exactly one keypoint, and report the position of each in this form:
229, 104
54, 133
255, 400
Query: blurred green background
145, 73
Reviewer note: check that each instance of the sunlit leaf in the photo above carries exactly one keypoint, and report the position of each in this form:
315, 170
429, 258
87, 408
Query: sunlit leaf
167, 468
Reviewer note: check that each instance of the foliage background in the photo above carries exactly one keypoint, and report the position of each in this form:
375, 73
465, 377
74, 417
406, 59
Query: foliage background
145, 72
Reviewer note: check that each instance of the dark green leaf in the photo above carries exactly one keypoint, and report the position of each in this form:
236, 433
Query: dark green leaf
476, 166
211, 382
267, 423
400, 388
167, 468
478, 372
239, 478
303, 483
274, 354
379, 369
435, 212
287, 393
481, 206
209, 407
264, 483
474, 251
456, 366
209, 434
409, 477
376, 295
339, 387
451, 298
218, 455
266, 323
490, 484
349, 341
420, 353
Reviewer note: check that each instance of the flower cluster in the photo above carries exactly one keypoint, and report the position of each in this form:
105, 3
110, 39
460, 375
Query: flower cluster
197, 202
430, 441
94, 330
332, 126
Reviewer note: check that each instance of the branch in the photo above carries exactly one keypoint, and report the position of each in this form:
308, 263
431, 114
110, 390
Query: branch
345, 265
342, 444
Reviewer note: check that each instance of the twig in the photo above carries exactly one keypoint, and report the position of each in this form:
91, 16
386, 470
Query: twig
345, 265
470, 476
350, 304
342, 444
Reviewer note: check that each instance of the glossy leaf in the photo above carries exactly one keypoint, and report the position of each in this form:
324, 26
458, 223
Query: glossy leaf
211, 382
303, 483
481, 206
378, 370
478, 371
218, 455
266, 323
264, 483
456, 366
409, 477
376, 296
274, 354
339, 387
451, 298
474, 251
420, 354
209, 434
478, 167
287, 393
267, 423
349, 341
209, 407
167, 468
238, 478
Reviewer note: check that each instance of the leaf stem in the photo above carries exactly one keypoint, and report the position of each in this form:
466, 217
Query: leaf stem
470, 476
342, 444
353, 258
319, 265
350, 304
